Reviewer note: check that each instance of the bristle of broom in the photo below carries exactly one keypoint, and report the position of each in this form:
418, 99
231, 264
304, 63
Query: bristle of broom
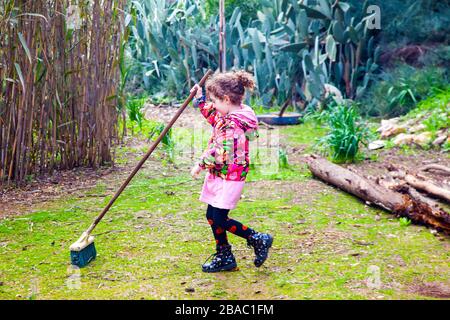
82, 257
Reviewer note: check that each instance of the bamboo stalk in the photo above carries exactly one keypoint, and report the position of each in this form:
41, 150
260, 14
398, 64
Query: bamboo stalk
58, 114
222, 42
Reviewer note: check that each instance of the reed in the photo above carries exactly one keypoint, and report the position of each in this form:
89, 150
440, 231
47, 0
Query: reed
59, 71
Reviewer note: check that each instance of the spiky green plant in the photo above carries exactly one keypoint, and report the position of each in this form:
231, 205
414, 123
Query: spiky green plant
401, 96
404, 222
283, 159
168, 142
347, 133
134, 108
402, 82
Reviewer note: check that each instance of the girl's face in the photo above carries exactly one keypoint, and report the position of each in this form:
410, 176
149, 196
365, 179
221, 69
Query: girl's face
223, 106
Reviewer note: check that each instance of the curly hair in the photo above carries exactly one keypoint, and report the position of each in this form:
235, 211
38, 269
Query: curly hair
231, 84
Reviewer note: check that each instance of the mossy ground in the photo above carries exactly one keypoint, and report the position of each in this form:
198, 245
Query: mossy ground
328, 244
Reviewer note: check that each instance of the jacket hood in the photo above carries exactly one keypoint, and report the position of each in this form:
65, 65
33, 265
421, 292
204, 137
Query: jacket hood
246, 117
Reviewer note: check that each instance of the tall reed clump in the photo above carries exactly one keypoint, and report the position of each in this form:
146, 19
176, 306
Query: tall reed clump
59, 71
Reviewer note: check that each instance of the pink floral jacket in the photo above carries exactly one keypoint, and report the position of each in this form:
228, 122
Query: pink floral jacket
227, 155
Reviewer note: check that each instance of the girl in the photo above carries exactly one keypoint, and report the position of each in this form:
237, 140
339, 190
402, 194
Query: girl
227, 162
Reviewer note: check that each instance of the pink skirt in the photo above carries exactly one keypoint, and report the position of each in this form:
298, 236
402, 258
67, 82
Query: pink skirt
220, 193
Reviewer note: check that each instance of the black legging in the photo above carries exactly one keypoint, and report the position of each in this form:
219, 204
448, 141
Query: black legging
220, 223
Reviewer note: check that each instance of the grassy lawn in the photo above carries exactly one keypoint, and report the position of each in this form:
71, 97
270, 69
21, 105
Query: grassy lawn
328, 245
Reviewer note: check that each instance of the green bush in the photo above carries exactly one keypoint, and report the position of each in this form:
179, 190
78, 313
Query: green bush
248, 9
396, 91
283, 159
446, 146
134, 107
347, 133
435, 111
404, 222
168, 141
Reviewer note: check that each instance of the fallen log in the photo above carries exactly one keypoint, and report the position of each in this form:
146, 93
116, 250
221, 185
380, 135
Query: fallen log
419, 182
413, 193
436, 167
402, 205
404, 188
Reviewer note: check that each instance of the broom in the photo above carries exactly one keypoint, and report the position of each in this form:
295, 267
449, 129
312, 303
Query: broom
83, 250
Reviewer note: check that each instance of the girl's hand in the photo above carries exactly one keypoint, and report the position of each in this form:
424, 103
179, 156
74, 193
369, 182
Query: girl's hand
198, 90
195, 171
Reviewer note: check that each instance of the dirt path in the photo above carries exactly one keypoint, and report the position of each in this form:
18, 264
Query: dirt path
43, 190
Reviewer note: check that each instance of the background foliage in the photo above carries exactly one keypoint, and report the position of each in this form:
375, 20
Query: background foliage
169, 50
293, 48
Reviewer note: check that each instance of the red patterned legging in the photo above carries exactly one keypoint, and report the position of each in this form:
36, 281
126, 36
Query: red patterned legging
220, 223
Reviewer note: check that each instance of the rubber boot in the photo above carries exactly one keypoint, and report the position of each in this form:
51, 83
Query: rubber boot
261, 242
223, 260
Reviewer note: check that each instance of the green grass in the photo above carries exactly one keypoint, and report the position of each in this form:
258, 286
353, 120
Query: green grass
433, 113
155, 238
434, 110
307, 134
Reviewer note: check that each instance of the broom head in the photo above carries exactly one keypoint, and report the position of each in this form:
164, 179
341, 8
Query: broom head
83, 250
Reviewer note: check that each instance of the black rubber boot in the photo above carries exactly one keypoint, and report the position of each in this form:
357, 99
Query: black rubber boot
261, 242
223, 260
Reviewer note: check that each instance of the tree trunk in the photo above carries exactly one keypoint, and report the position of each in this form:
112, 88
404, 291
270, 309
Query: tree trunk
222, 43
419, 182
372, 192
436, 167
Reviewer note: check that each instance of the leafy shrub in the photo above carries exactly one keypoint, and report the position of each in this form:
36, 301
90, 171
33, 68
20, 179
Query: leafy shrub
446, 146
397, 90
347, 132
437, 121
435, 110
404, 222
134, 108
318, 117
401, 95
248, 9
168, 142
283, 159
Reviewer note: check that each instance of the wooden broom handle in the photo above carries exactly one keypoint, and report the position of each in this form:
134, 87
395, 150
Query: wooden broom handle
149, 152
